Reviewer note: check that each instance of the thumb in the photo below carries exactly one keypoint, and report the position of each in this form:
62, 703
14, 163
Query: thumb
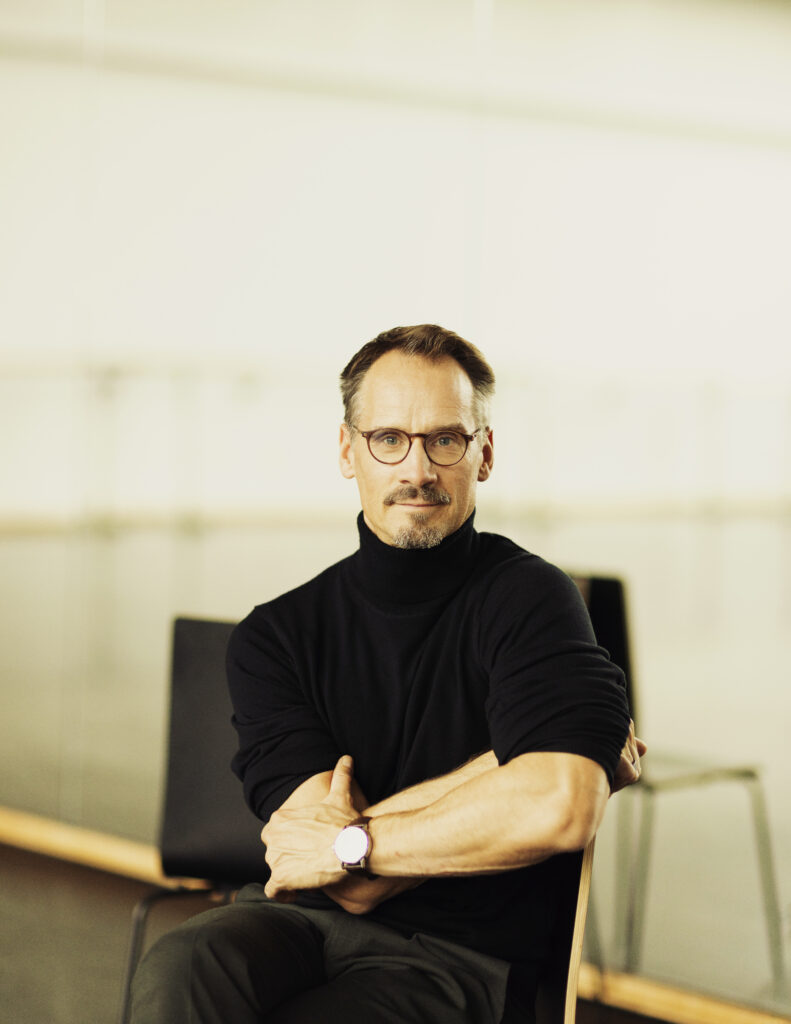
340, 784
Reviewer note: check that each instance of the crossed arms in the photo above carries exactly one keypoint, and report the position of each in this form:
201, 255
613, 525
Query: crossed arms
481, 818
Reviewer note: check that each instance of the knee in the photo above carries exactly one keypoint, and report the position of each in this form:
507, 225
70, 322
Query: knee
161, 982
182, 952
227, 964
196, 971
171, 951
163, 986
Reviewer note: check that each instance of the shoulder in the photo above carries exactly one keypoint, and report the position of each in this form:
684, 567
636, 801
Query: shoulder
519, 592
506, 570
272, 621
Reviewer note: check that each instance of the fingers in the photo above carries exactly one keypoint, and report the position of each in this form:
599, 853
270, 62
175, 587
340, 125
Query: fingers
279, 895
634, 756
629, 768
634, 745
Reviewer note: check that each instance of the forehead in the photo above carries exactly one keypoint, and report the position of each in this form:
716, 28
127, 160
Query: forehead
401, 391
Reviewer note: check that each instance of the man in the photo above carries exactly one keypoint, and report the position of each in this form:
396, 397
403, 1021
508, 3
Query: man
428, 730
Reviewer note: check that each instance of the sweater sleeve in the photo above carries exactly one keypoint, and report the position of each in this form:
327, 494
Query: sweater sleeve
282, 739
551, 687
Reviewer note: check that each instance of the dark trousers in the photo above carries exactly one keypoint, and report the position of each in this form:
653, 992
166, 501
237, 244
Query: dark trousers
256, 961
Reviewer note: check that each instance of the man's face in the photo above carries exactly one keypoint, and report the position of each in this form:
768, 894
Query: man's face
415, 503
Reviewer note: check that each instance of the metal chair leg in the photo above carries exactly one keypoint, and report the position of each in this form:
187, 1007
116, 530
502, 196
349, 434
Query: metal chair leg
639, 882
139, 921
768, 886
624, 868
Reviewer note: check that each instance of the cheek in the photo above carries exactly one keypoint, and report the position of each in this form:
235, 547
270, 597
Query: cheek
465, 491
467, 484
371, 482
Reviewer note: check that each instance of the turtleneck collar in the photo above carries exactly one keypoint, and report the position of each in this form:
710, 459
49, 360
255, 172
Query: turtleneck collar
413, 576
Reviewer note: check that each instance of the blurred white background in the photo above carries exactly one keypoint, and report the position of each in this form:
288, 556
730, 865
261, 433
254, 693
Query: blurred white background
205, 209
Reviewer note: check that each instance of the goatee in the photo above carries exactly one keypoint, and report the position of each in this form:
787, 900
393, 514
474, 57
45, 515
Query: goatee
418, 534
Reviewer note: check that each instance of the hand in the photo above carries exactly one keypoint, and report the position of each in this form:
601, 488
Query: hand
628, 770
299, 841
357, 894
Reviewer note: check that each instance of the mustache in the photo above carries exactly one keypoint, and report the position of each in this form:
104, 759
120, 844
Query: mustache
434, 495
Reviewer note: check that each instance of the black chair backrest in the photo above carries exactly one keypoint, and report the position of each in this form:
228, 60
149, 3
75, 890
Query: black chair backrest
605, 597
207, 830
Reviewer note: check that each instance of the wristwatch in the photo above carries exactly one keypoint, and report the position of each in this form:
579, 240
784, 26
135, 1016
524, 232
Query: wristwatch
352, 846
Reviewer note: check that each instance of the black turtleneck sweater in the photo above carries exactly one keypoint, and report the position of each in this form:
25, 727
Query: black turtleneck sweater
413, 662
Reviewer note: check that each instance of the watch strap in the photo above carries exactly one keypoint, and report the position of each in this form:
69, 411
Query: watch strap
360, 867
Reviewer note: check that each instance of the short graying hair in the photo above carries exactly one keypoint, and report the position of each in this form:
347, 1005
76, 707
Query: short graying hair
430, 342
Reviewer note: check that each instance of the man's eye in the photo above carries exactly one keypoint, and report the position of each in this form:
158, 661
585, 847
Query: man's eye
389, 439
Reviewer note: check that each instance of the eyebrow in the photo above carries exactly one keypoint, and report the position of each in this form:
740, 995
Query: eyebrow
458, 427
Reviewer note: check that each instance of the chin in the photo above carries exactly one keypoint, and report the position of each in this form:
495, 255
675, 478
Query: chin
419, 532
412, 537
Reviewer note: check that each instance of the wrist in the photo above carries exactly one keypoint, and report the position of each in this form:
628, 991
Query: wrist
353, 846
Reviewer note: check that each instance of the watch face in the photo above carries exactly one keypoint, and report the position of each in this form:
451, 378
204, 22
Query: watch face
351, 845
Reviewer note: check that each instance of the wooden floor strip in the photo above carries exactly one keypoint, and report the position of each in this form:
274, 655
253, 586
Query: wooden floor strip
638, 994
83, 846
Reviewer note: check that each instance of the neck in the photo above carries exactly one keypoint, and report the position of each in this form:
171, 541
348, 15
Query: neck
414, 575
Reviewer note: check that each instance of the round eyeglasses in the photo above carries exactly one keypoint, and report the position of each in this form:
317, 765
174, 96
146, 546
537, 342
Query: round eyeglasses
443, 447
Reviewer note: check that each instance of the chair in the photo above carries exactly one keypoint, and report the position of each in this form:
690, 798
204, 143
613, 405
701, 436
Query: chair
556, 1001
664, 773
207, 831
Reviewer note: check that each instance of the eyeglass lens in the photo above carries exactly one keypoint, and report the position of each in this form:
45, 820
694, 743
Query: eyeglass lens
443, 447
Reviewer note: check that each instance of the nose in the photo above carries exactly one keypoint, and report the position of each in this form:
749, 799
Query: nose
417, 468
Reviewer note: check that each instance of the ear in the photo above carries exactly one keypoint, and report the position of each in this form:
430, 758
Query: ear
346, 453
487, 461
